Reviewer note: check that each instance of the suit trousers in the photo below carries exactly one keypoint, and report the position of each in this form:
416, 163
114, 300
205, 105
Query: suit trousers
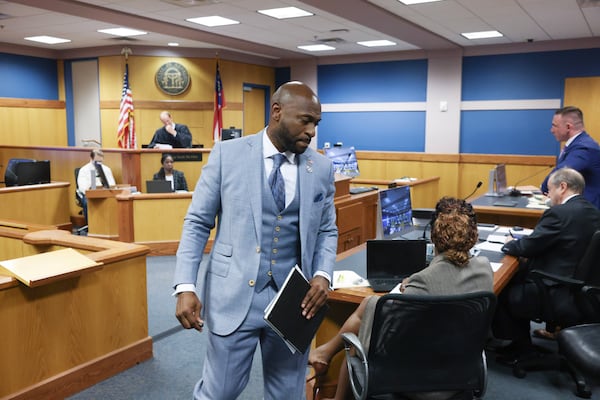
229, 359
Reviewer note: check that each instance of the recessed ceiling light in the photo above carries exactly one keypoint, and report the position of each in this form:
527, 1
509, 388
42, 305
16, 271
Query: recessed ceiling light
376, 43
214, 20
482, 35
411, 2
286, 12
47, 39
174, 44
316, 47
122, 32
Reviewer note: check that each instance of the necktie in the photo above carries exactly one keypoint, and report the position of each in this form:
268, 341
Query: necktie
562, 153
276, 181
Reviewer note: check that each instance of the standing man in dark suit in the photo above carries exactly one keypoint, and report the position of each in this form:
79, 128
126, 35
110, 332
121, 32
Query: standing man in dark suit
580, 152
556, 246
262, 233
176, 135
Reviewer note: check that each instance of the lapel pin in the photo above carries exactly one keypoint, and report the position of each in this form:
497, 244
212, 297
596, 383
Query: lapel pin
309, 164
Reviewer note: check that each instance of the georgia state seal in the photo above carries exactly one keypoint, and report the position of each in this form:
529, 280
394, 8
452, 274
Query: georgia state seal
172, 78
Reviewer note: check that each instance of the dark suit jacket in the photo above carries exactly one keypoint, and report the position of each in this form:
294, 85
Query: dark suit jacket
583, 155
183, 139
179, 182
560, 238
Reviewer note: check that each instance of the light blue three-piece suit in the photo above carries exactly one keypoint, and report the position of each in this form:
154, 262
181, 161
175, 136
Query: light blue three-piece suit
231, 189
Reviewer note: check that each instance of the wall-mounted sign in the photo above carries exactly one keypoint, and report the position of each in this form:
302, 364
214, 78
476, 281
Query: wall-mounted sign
172, 78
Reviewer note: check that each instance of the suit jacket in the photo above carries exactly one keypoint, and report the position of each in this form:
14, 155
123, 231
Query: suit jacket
583, 155
179, 182
183, 138
560, 238
230, 189
442, 277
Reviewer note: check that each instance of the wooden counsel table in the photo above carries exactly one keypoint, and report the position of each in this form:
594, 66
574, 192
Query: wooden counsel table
43, 204
424, 191
518, 215
343, 302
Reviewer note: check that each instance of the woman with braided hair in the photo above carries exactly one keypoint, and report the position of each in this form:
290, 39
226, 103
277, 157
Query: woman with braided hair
452, 271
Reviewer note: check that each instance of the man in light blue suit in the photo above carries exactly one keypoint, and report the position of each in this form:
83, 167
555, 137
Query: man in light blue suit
257, 242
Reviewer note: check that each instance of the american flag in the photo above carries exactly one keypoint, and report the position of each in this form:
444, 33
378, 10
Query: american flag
126, 129
219, 104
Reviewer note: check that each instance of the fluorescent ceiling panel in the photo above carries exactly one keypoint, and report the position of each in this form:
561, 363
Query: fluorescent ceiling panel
47, 39
376, 43
213, 21
482, 35
286, 12
123, 32
316, 47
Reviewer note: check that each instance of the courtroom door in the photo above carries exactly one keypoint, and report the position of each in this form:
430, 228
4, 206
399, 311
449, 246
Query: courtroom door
256, 109
585, 94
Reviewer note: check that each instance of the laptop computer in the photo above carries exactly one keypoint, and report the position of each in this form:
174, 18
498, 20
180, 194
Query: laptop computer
158, 187
390, 261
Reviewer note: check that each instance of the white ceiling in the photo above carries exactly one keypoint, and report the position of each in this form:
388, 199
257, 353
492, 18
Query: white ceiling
340, 23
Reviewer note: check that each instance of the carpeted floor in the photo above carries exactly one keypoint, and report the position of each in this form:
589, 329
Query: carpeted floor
179, 354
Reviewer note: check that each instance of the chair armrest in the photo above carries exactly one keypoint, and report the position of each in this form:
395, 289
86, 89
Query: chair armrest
540, 278
358, 365
592, 295
350, 339
576, 283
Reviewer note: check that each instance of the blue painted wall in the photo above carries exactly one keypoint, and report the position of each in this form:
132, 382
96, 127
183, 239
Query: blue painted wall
397, 81
484, 78
515, 77
28, 77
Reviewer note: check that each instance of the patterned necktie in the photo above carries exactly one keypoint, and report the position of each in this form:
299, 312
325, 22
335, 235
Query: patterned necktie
562, 154
276, 181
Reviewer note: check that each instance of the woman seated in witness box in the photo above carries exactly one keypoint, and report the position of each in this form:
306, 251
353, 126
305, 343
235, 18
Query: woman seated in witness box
452, 271
167, 173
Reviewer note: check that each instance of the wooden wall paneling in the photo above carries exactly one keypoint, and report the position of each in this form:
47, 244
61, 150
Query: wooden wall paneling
585, 94
194, 107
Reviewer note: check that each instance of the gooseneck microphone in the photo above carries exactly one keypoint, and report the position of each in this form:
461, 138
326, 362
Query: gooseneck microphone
516, 192
473, 192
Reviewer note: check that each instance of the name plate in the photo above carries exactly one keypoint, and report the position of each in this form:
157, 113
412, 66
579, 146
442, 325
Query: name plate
187, 156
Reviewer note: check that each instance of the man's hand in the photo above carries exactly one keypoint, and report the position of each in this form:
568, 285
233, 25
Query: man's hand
316, 296
170, 129
188, 311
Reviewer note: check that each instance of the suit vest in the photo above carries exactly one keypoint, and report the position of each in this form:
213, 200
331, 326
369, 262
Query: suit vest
280, 248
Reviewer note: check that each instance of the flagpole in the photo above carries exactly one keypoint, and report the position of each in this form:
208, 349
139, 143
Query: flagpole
126, 137
219, 104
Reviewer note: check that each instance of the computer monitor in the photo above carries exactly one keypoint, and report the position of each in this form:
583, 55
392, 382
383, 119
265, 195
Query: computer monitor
230, 133
33, 172
344, 160
394, 212
10, 174
497, 181
101, 175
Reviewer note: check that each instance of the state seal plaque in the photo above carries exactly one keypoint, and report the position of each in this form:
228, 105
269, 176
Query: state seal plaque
172, 78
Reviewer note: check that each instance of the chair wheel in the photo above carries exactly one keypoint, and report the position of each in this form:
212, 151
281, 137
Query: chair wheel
519, 372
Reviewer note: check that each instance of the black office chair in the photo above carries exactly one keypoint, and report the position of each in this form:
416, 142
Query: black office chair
10, 174
579, 345
579, 311
79, 200
423, 344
